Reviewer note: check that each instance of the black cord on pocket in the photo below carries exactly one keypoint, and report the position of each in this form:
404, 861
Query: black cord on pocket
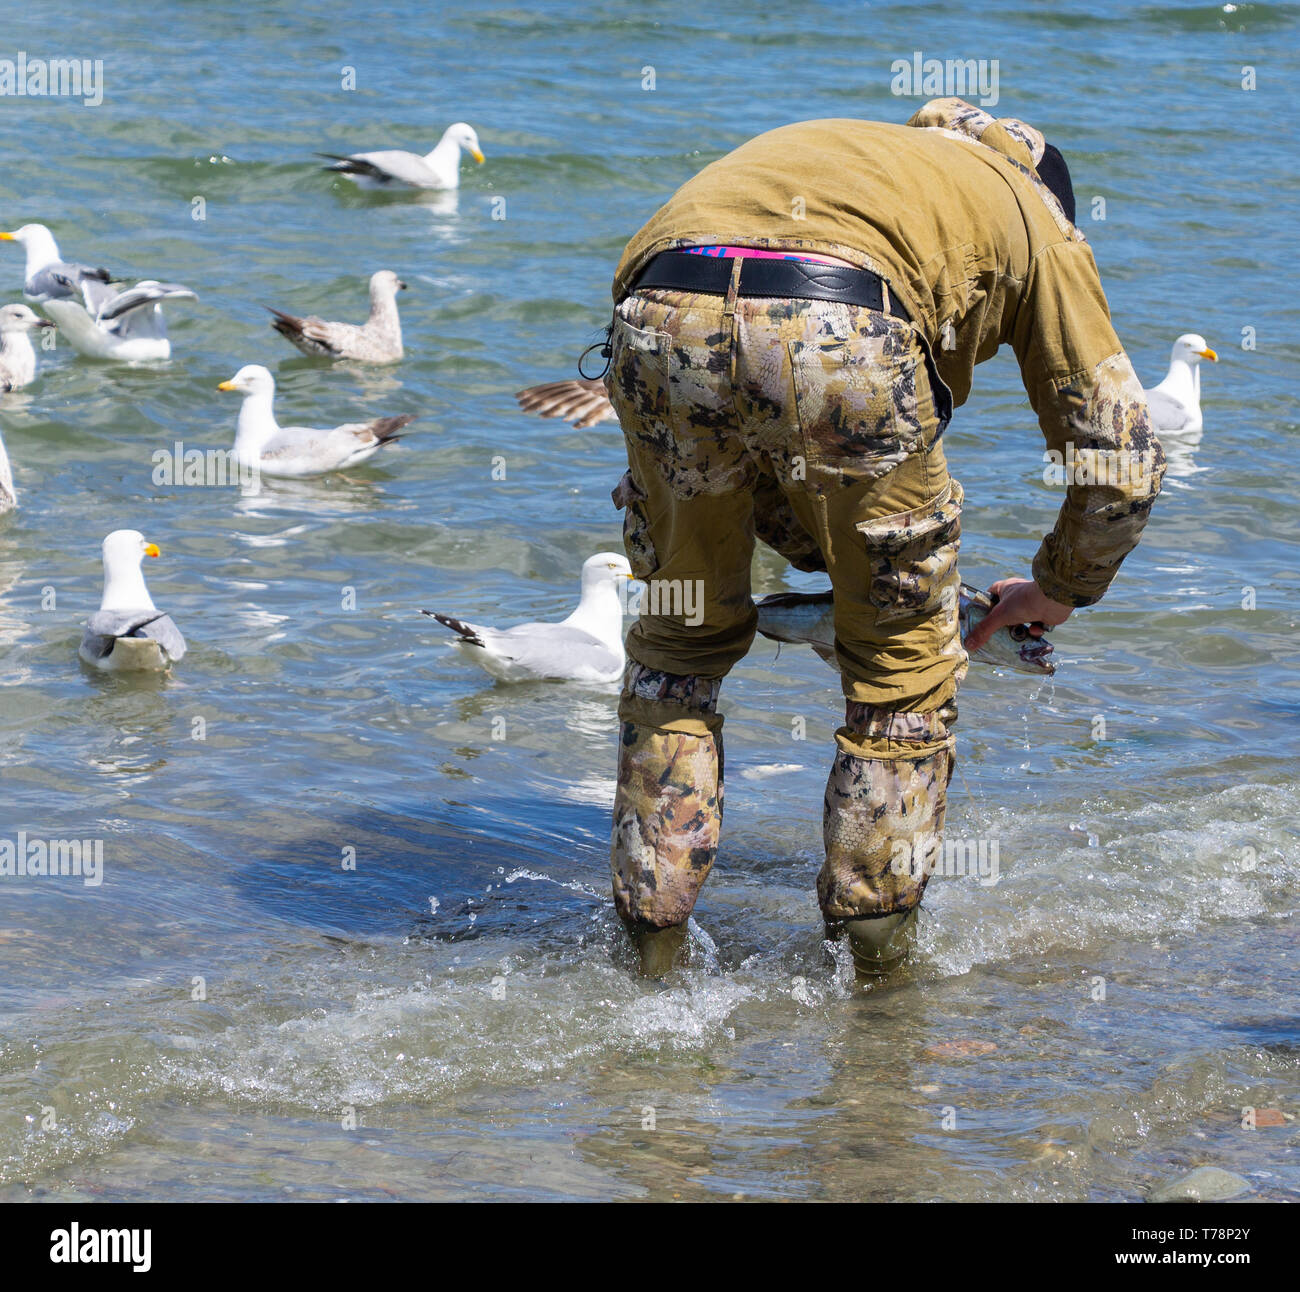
607, 352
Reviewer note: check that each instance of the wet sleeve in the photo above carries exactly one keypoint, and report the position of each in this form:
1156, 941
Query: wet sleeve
1093, 414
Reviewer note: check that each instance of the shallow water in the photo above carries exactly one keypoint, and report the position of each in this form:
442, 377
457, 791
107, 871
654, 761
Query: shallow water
464, 994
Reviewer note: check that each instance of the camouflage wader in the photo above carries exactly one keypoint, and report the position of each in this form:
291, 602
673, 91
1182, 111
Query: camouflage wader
811, 425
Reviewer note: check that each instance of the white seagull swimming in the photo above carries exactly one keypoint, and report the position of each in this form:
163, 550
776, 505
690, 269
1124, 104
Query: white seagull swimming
8, 494
377, 340
99, 320
128, 633
262, 444
17, 357
585, 647
1175, 403
438, 169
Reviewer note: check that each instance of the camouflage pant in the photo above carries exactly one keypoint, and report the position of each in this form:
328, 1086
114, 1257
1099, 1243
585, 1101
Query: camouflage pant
810, 425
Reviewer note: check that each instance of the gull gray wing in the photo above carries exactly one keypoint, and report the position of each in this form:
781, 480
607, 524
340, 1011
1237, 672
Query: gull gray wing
307, 442
167, 635
143, 293
121, 623
348, 437
104, 627
305, 450
358, 164
552, 650
383, 167
63, 281
1167, 413
95, 294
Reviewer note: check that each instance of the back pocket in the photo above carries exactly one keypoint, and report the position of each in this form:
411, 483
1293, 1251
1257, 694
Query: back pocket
913, 556
849, 394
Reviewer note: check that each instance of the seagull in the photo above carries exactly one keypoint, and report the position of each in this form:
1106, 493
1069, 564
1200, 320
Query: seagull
17, 358
585, 647
1175, 404
377, 340
128, 632
439, 169
8, 494
274, 450
47, 274
582, 400
98, 320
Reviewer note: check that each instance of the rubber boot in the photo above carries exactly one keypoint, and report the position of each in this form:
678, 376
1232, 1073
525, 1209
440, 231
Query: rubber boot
659, 949
879, 946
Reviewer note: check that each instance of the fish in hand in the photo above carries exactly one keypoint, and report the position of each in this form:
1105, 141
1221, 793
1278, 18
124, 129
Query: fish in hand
809, 617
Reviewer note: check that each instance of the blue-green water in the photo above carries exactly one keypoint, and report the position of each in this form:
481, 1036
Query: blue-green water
1135, 964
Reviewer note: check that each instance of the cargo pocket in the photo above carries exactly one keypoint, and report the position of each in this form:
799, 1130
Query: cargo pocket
638, 382
913, 556
630, 499
853, 397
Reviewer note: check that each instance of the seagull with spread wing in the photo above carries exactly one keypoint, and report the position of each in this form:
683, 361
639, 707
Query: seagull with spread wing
100, 320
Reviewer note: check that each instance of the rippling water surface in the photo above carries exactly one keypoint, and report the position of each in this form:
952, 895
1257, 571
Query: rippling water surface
207, 1022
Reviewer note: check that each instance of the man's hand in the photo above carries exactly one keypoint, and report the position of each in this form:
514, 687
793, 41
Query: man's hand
1019, 601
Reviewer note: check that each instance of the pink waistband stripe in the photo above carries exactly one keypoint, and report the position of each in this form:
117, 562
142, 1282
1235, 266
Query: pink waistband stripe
758, 253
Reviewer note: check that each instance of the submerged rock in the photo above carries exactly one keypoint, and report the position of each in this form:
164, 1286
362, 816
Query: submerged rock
1205, 1184
958, 1049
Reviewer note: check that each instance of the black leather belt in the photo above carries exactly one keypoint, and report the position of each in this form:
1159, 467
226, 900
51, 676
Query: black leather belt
807, 280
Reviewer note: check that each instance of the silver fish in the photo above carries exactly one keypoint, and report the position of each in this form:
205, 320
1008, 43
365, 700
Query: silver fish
810, 617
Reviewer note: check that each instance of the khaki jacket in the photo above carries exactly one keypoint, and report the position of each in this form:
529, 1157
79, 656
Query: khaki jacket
949, 210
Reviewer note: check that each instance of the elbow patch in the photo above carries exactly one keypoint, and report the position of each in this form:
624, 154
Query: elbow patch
1107, 407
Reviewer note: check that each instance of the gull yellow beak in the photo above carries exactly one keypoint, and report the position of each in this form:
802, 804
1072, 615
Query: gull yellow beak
151, 549
7, 237
1208, 354
478, 156
227, 385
